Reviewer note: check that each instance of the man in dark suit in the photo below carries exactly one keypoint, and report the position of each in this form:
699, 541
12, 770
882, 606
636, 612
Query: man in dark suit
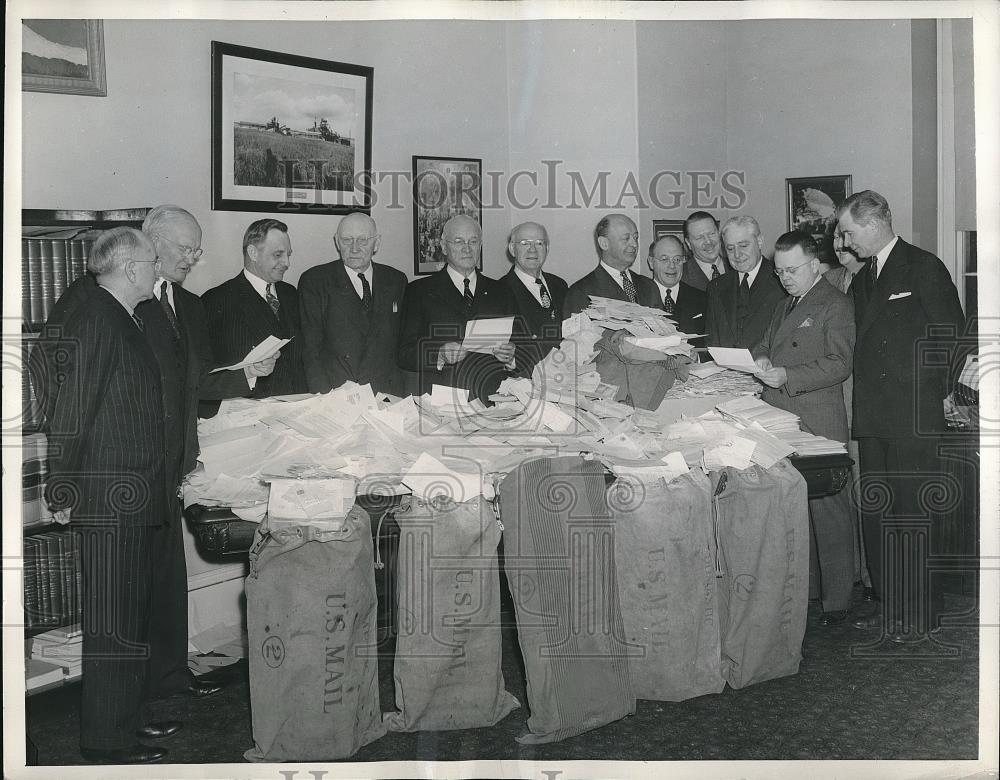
350, 311
617, 240
255, 304
538, 297
701, 233
108, 476
804, 356
740, 304
684, 304
908, 315
437, 309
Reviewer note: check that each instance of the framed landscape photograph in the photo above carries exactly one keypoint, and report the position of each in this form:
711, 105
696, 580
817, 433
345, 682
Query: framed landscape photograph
289, 134
812, 207
63, 55
442, 188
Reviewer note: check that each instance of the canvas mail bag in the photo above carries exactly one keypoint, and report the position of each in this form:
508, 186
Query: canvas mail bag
762, 534
311, 625
559, 560
448, 645
665, 556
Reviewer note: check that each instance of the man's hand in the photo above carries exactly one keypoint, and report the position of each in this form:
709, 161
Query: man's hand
61, 516
773, 377
504, 353
763, 364
452, 352
263, 367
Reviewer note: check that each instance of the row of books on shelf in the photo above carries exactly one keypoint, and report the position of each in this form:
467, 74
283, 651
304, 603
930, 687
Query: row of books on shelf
52, 580
50, 262
53, 658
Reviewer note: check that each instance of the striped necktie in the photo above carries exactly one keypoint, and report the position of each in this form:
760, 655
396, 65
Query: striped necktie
366, 294
272, 300
168, 310
469, 298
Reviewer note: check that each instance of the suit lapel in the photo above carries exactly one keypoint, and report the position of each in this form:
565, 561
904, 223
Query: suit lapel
894, 273
259, 316
794, 319
347, 297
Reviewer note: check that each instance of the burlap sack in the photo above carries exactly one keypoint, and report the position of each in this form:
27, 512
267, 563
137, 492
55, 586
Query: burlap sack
560, 564
664, 550
448, 646
762, 532
311, 624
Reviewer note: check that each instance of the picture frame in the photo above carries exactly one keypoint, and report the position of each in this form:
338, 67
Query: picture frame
812, 203
443, 187
278, 116
669, 227
63, 55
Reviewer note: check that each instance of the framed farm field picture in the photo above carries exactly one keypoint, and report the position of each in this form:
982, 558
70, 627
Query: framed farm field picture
443, 187
63, 55
812, 207
289, 134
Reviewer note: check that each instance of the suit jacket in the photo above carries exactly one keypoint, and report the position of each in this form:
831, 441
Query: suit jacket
239, 319
900, 378
339, 342
723, 328
434, 313
537, 330
814, 343
198, 381
106, 446
600, 282
693, 276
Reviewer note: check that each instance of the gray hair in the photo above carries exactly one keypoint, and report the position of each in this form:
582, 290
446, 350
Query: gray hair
866, 207
114, 248
161, 218
742, 221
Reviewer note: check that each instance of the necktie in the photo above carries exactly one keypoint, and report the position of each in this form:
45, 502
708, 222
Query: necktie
795, 302
366, 293
668, 303
272, 300
715, 271
873, 270
543, 294
629, 287
468, 294
744, 294
168, 310
138, 323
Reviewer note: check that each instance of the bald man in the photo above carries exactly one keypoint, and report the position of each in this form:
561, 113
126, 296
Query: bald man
538, 297
350, 314
437, 310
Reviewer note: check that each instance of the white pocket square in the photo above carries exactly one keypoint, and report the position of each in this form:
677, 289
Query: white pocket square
807, 322
696, 316
894, 296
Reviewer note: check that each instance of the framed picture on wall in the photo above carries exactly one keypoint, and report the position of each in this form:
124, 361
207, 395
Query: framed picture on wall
443, 187
63, 55
289, 134
668, 227
812, 207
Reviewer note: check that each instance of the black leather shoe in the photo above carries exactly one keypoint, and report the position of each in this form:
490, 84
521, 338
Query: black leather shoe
159, 729
833, 617
202, 688
136, 754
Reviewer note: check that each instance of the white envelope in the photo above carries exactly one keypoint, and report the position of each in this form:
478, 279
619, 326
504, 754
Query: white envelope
895, 296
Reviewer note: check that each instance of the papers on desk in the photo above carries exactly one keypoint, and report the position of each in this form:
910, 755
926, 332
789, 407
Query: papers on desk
703, 370
735, 359
753, 410
484, 335
262, 351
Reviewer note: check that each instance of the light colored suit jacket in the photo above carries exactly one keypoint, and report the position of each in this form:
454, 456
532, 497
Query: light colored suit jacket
814, 343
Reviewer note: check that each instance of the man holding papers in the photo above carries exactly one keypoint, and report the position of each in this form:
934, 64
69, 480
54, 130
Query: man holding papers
351, 310
438, 309
255, 304
804, 355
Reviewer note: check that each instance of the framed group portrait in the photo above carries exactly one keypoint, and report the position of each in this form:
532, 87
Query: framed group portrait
289, 134
443, 187
812, 207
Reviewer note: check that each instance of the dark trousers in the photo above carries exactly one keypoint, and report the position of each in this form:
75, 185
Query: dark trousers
168, 630
901, 481
831, 551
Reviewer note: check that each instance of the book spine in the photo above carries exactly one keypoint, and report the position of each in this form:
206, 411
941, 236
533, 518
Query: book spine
77, 260
35, 281
47, 277
60, 270
30, 583
45, 595
78, 580
25, 283
65, 577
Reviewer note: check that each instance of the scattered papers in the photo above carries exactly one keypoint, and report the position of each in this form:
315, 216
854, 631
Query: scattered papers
735, 359
262, 351
736, 453
484, 335
319, 502
430, 479
703, 370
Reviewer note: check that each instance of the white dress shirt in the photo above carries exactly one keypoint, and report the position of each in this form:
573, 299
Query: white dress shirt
355, 278
459, 281
883, 255
532, 285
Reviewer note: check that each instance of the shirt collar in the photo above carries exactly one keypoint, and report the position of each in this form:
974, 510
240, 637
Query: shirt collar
663, 290
257, 283
751, 275
528, 279
883, 254
615, 273
459, 281
707, 267
158, 285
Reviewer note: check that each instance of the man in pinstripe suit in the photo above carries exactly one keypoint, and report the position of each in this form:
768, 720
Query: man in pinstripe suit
108, 476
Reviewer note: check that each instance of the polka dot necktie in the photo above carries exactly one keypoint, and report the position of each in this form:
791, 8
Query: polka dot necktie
668, 303
715, 271
543, 294
629, 287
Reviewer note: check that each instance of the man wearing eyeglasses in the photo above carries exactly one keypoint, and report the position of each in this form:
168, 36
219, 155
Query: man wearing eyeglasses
351, 310
437, 309
804, 355
538, 297
739, 304
683, 303
257, 303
